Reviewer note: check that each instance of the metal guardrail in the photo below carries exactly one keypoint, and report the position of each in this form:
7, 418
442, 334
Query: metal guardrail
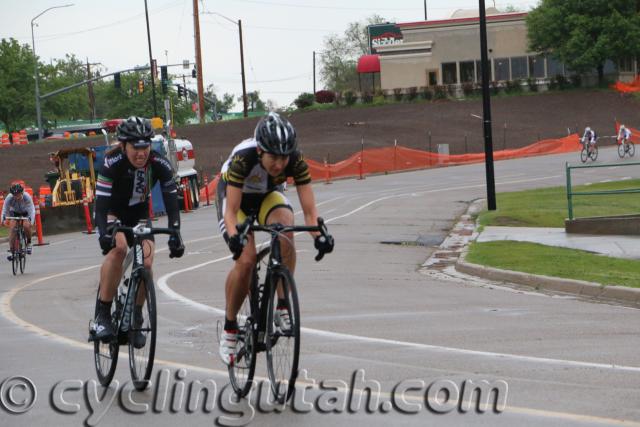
571, 193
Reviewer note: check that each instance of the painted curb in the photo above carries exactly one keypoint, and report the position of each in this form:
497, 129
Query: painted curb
556, 284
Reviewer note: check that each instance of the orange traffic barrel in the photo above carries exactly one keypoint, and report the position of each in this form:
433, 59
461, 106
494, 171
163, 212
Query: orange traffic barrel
5, 141
29, 191
67, 134
23, 137
15, 138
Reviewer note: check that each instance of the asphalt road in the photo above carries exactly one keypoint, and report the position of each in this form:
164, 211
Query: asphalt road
370, 317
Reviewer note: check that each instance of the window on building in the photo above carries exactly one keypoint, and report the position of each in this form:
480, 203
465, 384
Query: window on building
467, 71
479, 71
449, 73
519, 68
502, 68
610, 67
626, 65
536, 66
554, 67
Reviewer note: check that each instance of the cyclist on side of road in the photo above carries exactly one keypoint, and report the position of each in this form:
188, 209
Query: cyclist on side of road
124, 183
251, 183
18, 203
624, 135
589, 139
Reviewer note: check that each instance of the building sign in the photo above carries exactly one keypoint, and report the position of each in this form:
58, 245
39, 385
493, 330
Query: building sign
383, 35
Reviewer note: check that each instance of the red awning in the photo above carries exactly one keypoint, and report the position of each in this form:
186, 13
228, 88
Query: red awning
368, 64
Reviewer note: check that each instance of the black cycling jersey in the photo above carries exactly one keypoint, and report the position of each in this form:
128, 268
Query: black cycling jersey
243, 170
123, 190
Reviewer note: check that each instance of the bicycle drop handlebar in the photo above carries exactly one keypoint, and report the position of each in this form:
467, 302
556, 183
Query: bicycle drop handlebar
274, 229
142, 230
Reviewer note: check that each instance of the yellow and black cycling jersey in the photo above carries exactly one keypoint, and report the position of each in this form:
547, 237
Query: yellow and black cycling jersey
244, 170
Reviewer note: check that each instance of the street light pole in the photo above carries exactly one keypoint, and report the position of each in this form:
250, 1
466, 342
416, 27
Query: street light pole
35, 68
486, 110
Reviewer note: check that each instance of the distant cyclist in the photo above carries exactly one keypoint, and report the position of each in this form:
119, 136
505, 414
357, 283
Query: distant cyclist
589, 139
123, 187
18, 203
624, 135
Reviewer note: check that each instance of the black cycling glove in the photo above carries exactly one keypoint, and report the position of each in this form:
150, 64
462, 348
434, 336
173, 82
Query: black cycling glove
236, 245
176, 247
324, 245
106, 243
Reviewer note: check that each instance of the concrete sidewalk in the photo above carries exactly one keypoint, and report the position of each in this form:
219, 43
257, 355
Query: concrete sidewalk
610, 245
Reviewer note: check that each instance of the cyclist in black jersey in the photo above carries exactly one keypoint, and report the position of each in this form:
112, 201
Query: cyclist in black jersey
251, 183
125, 180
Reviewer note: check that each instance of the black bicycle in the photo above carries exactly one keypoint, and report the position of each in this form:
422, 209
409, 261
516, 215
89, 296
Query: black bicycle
262, 327
626, 147
19, 244
136, 289
589, 151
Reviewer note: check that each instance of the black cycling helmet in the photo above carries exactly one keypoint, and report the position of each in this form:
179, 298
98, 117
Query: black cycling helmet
276, 135
16, 189
137, 130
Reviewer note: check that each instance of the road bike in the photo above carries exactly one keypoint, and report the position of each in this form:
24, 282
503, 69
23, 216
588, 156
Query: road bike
626, 147
589, 151
19, 251
136, 288
259, 328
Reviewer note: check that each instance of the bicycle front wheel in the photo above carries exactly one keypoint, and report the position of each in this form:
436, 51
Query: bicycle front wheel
594, 153
632, 148
15, 254
584, 155
142, 330
621, 150
283, 335
242, 369
105, 354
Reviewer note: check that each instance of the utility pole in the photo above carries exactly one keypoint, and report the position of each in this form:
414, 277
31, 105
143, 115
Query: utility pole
486, 110
314, 73
196, 34
244, 87
425, 10
92, 98
153, 81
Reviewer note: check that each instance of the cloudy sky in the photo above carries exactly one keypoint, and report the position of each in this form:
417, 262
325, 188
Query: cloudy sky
279, 35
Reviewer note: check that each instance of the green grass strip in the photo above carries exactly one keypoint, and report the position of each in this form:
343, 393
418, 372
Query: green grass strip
557, 262
547, 207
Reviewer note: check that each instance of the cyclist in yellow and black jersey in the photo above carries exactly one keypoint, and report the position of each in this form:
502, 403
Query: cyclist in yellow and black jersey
251, 183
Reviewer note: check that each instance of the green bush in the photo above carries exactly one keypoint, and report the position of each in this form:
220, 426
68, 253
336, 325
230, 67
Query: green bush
440, 92
576, 80
513, 86
468, 88
350, 97
397, 94
426, 93
533, 86
367, 98
412, 93
304, 100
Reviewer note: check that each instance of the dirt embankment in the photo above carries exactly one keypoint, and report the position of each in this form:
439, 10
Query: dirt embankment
338, 133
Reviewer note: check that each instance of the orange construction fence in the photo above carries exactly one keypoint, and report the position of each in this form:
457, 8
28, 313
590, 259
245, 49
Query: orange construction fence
634, 86
396, 158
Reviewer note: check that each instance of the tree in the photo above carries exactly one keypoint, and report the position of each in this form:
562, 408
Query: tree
585, 33
17, 86
73, 104
340, 54
223, 105
254, 101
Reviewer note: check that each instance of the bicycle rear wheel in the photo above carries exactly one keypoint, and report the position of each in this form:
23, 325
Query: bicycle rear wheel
141, 357
283, 344
105, 355
243, 368
22, 238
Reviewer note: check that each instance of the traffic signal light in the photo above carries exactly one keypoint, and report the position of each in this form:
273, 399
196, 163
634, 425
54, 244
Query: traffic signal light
164, 78
116, 80
193, 73
140, 86
180, 91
